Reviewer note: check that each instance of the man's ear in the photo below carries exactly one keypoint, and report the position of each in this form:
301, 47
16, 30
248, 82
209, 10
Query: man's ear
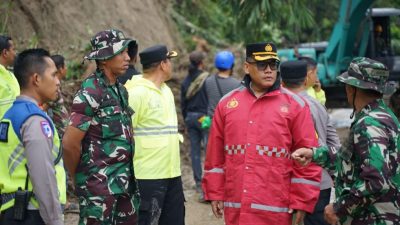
246, 67
3, 52
163, 65
35, 79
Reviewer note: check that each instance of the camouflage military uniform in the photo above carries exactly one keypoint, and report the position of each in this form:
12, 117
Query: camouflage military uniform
105, 171
59, 114
368, 164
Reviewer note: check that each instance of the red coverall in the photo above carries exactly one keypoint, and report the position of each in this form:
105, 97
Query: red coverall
248, 164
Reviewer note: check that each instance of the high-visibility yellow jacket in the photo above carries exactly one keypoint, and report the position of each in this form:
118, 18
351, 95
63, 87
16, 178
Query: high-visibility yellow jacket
155, 127
13, 170
319, 96
9, 89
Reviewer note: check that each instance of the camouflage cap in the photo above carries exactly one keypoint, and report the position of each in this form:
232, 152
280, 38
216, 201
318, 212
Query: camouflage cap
366, 73
107, 44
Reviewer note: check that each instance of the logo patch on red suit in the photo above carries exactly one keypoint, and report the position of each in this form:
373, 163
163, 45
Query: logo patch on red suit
46, 129
233, 103
285, 109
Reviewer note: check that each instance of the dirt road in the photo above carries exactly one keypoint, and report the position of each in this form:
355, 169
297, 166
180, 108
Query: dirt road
196, 213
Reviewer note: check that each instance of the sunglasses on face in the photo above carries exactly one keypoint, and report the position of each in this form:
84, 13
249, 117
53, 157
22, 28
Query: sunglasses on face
262, 65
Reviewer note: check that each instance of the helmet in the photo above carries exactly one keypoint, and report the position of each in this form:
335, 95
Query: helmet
366, 73
224, 60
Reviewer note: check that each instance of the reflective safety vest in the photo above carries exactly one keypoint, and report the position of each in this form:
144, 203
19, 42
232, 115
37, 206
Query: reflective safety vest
155, 126
9, 89
13, 170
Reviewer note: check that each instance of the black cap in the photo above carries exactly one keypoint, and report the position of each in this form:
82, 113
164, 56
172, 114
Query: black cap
261, 51
155, 54
293, 71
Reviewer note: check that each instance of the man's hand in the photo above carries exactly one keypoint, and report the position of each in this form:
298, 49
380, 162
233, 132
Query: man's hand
298, 216
330, 215
303, 156
317, 86
217, 208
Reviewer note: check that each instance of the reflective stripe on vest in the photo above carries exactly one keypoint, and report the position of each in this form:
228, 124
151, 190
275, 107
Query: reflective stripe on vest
16, 158
150, 131
215, 170
232, 204
269, 208
304, 181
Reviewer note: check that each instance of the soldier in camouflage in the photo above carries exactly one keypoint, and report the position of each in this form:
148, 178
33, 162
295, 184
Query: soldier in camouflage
98, 143
56, 109
368, 164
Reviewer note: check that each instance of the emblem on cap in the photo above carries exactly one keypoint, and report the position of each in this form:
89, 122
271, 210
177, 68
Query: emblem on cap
121, 35
268, 48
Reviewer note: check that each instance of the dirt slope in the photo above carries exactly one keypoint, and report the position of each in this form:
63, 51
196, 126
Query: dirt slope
68, 25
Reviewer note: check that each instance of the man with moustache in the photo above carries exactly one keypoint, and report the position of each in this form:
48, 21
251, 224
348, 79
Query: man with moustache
248, 173
9, 88
98, 143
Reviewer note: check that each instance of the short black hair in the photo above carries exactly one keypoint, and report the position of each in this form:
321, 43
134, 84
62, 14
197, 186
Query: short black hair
133, 49
4, 42
29, 62
151, 66
311, 63
294, 83
58, 60
370, 92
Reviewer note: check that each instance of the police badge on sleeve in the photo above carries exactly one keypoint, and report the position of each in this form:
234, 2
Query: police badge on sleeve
46, 129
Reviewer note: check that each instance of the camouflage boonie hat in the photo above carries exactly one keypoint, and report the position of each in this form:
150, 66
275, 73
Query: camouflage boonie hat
366, 73
107, 44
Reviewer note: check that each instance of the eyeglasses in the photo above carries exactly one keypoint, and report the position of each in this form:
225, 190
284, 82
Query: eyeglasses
262, 65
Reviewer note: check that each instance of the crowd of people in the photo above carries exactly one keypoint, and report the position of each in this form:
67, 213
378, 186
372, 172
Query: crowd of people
272, 153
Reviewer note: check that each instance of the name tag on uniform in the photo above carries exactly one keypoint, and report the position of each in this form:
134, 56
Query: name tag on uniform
4, 131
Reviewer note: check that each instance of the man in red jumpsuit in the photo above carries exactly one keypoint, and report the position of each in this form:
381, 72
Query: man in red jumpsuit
249, 176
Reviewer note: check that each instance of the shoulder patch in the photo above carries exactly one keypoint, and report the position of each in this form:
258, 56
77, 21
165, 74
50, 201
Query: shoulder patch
4, 131
46, 129
233, 103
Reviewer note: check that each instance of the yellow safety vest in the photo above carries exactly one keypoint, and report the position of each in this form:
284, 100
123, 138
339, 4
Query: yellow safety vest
9, 89
319, 96
155, 127
13, 171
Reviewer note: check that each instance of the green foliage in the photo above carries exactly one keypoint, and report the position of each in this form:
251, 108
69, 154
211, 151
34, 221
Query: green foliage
5, 9
74, 69
395, 31
284, 22
33, 41
291, 14
206, 18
